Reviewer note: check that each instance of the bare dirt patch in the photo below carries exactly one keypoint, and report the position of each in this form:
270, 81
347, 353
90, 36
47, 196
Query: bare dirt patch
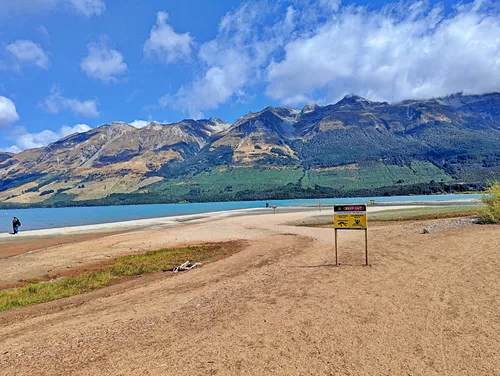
17, 245
428, 305
226, 249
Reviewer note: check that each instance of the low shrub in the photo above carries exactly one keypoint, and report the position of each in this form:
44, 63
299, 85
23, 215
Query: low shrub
491, 210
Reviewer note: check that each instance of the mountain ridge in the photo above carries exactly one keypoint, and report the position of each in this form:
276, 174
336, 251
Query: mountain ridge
353, 144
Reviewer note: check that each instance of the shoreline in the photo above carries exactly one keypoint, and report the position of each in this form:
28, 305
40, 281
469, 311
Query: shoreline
176, 220
142, 224
169, 222
130, 220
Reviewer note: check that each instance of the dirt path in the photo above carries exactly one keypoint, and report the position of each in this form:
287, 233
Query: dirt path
15, 246
428, 305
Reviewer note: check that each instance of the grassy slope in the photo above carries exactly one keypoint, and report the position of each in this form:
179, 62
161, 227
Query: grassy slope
377, 175
425, 213
236, 183
230, 180
256, 178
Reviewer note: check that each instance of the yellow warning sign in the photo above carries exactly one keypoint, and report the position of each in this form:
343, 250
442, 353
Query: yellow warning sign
357, 221
341, 220
350, 217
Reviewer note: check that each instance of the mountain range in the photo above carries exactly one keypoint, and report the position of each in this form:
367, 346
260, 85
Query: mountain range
355, 146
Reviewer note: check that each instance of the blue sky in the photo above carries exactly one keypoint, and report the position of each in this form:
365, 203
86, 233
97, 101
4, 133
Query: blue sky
71, 65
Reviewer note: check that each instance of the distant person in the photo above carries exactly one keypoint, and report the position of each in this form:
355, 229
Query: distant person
16, 223
267, 204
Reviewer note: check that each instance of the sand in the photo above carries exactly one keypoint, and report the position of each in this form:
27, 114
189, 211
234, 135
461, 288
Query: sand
174, 221
426, 305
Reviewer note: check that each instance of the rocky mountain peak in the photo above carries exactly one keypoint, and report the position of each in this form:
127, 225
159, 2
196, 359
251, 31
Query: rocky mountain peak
216, 125
154, 125
351, 99
318, 139
459, 100
311, 107
118, 126
216, 120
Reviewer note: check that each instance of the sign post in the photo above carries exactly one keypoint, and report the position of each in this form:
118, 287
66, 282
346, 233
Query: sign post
336, 249
350, 217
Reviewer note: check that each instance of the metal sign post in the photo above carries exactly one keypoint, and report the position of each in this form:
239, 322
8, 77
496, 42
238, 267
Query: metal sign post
350, 217
366, 246
336, 249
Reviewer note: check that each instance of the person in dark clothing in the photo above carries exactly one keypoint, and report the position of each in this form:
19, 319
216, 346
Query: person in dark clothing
16, 223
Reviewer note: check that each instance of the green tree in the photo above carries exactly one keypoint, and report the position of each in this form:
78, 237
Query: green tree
491, 212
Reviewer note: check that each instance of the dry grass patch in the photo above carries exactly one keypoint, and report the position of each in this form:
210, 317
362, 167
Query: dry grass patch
400, 215
150, 262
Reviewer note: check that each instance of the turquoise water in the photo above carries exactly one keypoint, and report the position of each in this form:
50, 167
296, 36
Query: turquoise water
35, 219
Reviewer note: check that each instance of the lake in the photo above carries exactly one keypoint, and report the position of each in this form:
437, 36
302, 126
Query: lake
45, 218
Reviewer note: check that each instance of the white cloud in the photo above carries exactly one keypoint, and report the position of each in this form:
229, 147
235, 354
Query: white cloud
11, 149
165, 44
26, 140
28, 52
8, 112
86, 8
103, 64
217, 85
139, 123
321, 50
79, 128
332, 5
231, 62
45, 32
297, 100
392, 54
234, 62
56, 102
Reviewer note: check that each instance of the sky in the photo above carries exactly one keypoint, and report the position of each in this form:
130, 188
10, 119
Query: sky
71, 65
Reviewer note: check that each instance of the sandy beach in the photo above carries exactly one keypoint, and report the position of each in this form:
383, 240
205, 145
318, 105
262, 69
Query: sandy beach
426, 305
54, 252
173, 221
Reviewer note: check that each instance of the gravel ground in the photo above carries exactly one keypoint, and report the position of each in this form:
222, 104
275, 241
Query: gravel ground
451, 224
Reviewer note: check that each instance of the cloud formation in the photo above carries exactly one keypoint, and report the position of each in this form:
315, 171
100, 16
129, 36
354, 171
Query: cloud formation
103, 64
321, 50
25, 140
140, 123
231, 62
28, 52
392, 54
87, 8
79, 128
56, 102
165, 44
8, 112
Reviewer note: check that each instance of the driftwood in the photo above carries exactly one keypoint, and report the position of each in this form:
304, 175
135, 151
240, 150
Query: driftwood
186, 266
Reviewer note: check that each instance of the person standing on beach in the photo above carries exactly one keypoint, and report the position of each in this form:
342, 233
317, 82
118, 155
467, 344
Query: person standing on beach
16, 223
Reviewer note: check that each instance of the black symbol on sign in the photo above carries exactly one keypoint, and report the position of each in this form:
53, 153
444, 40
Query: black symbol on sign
342, 223
357, 222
